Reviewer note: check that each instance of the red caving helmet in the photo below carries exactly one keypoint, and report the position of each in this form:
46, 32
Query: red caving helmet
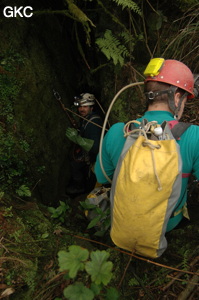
172, 72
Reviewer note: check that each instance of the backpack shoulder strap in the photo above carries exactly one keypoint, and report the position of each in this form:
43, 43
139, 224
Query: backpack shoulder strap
94, 117
178, 128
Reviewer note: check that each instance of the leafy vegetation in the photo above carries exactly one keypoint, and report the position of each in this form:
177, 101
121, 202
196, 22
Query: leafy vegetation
13, 146
147, 23
183, 44
129, 4
112, 48
95, 265
60, 212
40, 259
98, 216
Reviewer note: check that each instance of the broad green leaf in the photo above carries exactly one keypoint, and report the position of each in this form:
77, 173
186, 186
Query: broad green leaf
100, 233
99, 268
94, 222
64, 206
45, 235
72, 261
51, 209
23, 191
95, 288
86, 205
112, 294
78, 291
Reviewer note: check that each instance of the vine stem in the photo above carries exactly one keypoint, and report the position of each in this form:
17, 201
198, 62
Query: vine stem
133, 255
137, 278
127, 266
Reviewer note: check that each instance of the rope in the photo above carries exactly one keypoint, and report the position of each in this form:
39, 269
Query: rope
146, 143
81, 117
127, 131
147, 127
152, 148
105, 122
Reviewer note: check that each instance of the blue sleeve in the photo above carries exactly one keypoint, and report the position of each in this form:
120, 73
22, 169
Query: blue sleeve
112, 146
189, 148
195, 170
93, 132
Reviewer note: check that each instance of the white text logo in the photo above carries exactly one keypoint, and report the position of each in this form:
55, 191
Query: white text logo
13, 12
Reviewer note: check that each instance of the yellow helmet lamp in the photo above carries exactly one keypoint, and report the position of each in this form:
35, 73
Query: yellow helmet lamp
154, 66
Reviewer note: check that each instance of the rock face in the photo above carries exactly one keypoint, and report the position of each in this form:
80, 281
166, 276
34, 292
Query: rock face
38, 53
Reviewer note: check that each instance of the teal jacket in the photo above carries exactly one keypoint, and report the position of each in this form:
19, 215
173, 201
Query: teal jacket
189, 147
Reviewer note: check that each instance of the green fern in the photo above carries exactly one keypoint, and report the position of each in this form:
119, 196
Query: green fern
133, 282
112, 48
78, 13
129, 4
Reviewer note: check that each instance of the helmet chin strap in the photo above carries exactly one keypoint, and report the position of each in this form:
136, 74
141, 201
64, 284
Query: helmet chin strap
171, 101
170, 92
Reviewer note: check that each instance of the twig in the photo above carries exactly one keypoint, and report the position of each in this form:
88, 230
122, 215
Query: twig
36, 184
130, 254
5, 258
181, 280
189, 288
120, 283
65, 108
179, 274
145, 33
137, 278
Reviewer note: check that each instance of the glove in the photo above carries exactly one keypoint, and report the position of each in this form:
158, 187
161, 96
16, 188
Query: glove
72, 134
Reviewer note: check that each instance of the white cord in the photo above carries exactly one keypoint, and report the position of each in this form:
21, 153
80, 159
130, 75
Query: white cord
105, 121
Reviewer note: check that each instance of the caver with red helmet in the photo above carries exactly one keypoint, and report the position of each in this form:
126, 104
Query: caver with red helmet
168, 85
174, 73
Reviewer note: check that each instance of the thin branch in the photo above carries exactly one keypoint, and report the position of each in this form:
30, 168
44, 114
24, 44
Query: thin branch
189, 288
130, 254
125, 270
145, 33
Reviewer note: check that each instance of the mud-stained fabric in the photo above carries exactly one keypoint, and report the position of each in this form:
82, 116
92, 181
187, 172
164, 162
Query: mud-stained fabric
145, 189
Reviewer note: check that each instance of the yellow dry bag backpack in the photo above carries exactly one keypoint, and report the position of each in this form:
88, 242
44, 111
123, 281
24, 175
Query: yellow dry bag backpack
146, 186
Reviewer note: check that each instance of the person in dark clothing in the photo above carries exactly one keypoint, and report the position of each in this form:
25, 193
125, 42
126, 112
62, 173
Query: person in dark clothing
86, 139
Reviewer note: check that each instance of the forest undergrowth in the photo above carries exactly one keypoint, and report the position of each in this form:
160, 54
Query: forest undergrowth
32, 236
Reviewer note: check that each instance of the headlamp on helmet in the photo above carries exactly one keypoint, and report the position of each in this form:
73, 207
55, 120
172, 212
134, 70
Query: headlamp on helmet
84, 99
76, 102
154, 66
